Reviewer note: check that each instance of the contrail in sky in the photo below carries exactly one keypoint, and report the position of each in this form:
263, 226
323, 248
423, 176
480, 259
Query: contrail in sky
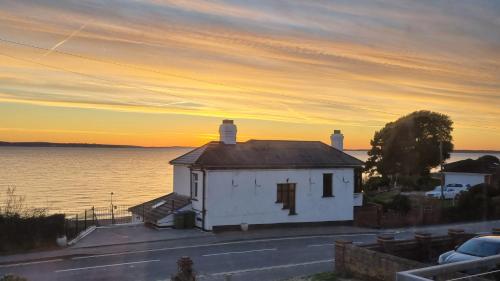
65, 39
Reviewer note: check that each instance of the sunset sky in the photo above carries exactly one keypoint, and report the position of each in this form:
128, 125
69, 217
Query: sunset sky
161, 73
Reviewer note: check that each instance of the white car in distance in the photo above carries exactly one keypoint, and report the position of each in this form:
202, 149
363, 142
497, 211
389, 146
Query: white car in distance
450, 191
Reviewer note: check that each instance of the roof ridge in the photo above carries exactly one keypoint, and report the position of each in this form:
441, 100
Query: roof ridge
284, 140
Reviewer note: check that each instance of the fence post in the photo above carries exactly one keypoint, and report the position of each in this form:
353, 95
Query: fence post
76, 220
66, 225
85, 223
94, 221
112, 215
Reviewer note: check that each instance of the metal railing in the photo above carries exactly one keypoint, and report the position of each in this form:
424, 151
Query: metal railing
452, 270
96, 216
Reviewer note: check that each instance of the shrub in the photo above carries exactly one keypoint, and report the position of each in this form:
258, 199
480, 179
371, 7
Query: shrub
10, 277
24, 228
392, 200
374, 183
480, 202
324, 276
24, 233
400, 203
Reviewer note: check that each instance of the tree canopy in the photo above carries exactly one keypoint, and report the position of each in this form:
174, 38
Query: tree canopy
410, 146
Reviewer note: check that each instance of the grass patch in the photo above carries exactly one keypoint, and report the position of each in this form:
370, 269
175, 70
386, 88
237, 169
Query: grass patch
384, 197
324, 276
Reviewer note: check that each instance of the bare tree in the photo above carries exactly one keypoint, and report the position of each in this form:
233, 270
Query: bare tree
15, 205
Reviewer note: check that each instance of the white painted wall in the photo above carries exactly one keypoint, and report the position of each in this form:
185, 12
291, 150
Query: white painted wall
182, 185
464, 178
137, 218
248, 196
182, 180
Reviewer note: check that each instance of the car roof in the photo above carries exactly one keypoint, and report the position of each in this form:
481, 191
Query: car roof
489, 237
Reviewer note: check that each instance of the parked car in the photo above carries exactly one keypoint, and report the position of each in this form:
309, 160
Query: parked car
450, 191
475, 248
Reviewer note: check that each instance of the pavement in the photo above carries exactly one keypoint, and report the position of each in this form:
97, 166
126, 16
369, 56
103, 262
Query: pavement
271, 254
135, 233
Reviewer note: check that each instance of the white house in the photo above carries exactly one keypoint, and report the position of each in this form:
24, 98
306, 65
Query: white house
260, 182
471, 172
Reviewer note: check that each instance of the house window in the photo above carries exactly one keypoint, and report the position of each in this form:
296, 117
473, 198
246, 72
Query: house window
279, 193
194, 185
286, 195
327, 185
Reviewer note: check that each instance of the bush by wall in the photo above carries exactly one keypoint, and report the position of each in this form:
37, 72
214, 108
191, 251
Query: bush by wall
10, 277
24, 233
480, 202
400, 203
375, 183
392, 200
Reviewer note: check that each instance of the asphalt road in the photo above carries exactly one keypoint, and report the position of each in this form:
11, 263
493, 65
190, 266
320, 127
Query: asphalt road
265, 259
260, 259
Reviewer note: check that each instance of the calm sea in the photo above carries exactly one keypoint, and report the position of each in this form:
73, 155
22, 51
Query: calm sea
72, 179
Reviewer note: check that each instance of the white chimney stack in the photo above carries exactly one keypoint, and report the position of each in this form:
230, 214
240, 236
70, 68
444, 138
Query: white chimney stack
227, 132
337, 139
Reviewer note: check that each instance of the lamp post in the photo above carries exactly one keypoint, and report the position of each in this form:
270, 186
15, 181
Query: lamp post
112, 209
441, 167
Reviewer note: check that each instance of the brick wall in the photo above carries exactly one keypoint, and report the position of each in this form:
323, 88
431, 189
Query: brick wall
368, 264
381, 261
421, 213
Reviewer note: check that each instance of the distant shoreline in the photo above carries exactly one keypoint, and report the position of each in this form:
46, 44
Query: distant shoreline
96, 145
88, 145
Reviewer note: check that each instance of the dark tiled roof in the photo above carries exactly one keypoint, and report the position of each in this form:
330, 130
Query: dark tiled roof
190, 157
483, 165
267, 154
173, 201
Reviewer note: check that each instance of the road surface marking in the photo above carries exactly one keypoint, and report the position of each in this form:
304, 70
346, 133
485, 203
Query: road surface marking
321, 245
106, 265
29, 263
220, 244
271, 267
241, 252
333, 244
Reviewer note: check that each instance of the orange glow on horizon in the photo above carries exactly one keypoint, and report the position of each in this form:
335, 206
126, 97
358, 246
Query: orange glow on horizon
164, 73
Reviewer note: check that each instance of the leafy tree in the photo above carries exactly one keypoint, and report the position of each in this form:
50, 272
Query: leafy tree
410, 146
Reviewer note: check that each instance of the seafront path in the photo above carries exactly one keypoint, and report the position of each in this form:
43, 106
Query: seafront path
134, 252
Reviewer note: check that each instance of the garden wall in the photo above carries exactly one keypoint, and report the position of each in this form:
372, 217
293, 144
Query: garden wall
367, 264
381, 261
373, 215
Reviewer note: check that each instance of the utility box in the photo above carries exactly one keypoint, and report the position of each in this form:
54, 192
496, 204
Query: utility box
189, 219
179, 220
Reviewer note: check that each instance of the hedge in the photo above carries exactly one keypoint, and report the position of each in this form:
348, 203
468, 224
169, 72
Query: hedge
24, 233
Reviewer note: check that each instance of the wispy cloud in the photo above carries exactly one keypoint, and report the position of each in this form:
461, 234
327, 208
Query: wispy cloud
359, 64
